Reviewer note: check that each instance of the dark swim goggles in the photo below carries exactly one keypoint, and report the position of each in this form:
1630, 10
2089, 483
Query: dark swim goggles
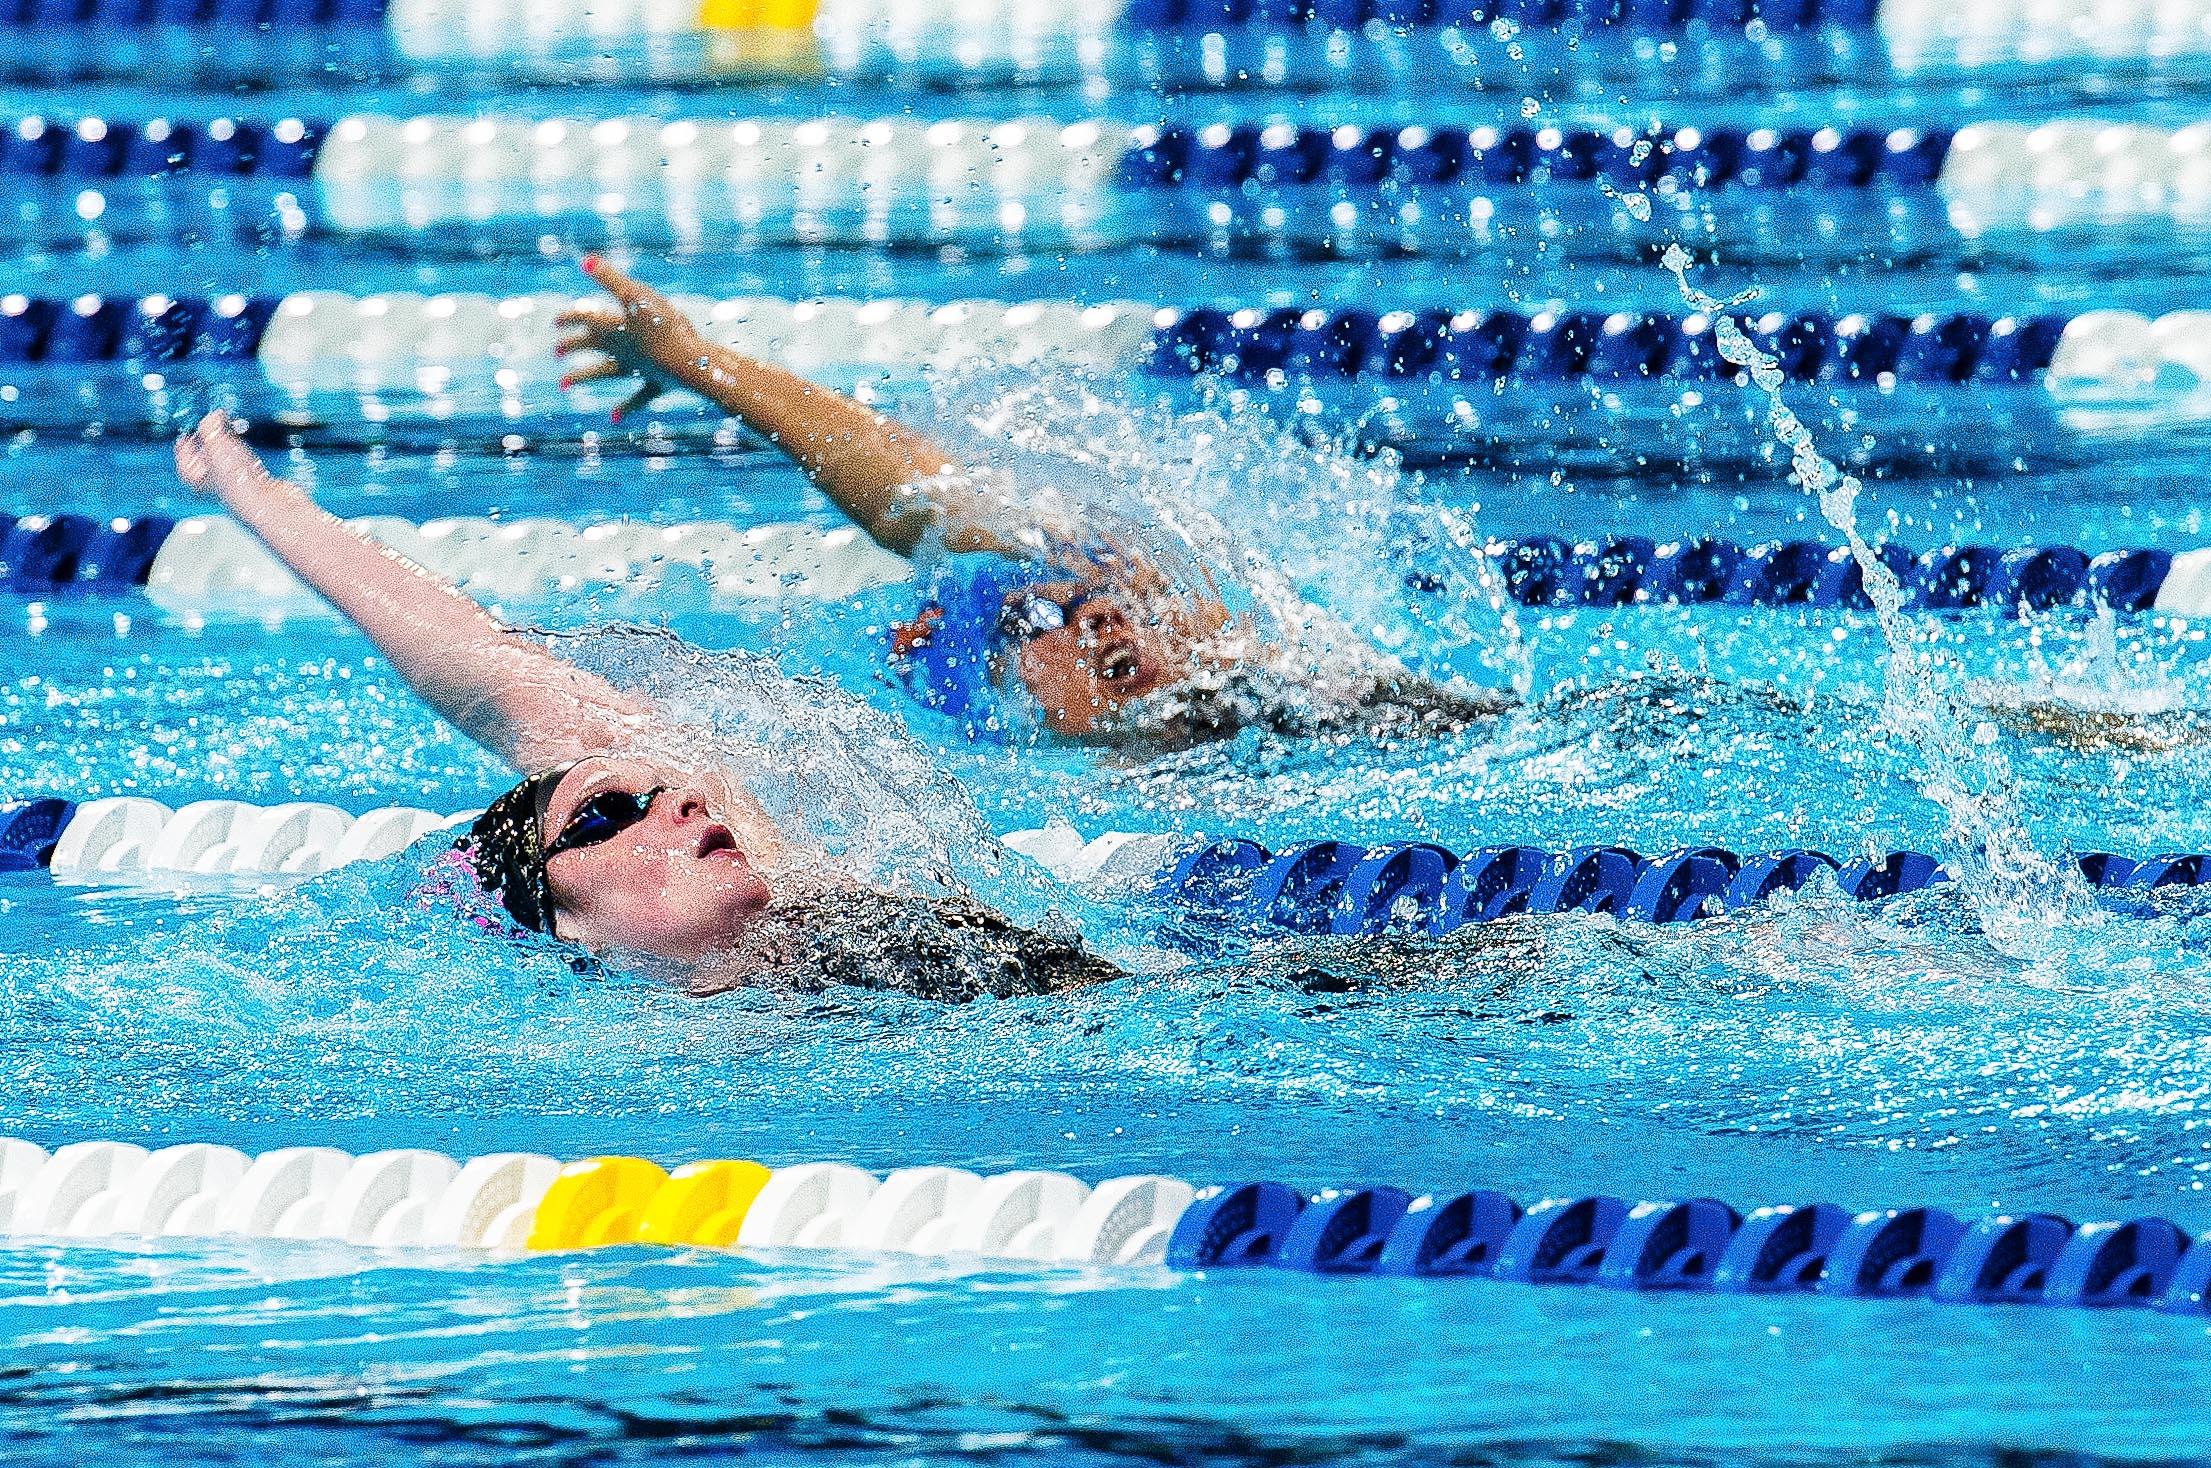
506, 843
1028, 614
603, 817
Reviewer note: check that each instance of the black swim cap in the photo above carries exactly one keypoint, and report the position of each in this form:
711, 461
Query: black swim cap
506, 845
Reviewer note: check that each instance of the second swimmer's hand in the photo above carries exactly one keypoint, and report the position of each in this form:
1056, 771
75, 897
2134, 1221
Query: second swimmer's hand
212, 459
640, 335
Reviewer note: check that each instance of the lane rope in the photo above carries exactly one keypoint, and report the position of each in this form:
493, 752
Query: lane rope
333, 342
1097, 183
1182, 42
520, 1202
1338, 887
208, 563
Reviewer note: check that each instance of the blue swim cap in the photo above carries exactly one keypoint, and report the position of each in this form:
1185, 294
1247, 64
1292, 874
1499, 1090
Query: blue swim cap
943, 656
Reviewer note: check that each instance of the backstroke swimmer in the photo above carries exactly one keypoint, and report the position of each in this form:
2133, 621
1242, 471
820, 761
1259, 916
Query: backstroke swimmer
1106, 646
608, 843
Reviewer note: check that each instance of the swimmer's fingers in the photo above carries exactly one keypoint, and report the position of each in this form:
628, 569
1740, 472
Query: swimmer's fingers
576, 341
637, 401
596, 320
594, 372
637, 298
192, 466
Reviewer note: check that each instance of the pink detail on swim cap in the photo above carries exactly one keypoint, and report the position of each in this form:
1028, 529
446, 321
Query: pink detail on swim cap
451, 881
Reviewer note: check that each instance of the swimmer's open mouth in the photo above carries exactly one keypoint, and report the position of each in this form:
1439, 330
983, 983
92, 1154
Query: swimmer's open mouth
716, 838
1118, 662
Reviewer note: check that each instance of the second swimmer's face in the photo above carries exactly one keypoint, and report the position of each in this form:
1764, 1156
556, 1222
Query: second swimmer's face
1101, 657
673, 883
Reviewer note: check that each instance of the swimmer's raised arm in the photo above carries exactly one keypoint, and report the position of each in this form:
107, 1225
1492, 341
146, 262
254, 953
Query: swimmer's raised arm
877, 470
501, 689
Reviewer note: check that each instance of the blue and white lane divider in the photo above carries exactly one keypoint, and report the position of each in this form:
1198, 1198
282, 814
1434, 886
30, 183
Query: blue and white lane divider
511, 1203
1099, 183
1335, 887
1245, 42
209, 563
1415, 887
467, 343
1545, 571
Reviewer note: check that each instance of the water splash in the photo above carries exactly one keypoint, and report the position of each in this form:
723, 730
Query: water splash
2098, 678
856, 797
1285, 524
2025, 900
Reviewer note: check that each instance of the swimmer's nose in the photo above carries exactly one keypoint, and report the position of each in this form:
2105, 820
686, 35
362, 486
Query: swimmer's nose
687, 805
1102, 617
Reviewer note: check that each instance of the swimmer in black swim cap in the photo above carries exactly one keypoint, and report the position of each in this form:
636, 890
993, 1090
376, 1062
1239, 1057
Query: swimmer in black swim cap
618, 852
1103, 644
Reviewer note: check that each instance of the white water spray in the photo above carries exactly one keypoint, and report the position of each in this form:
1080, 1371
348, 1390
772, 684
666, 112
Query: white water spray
2022, 896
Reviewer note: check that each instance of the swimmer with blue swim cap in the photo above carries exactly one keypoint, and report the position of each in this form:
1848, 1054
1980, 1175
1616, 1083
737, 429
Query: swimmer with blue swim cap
1024, 622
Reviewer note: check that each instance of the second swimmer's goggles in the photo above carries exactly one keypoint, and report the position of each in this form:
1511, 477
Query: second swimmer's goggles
1028, 614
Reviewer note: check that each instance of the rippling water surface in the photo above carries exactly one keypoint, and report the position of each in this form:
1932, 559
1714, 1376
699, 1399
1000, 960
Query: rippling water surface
1809, 1048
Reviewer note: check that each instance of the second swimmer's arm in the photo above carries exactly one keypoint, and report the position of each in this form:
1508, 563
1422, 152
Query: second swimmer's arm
858, 457
502, 690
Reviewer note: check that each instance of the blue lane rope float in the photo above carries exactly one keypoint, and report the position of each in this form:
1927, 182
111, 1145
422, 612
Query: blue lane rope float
1614, 348
1100, 183
1546, 571
41, 555
1336, 887
48, 555
1697, 1244
29, 831
95, 148
145, 330
1640, 16
1351, 161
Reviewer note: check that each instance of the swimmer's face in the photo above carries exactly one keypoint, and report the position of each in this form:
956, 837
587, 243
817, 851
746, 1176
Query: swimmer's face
1101, 658
674, 884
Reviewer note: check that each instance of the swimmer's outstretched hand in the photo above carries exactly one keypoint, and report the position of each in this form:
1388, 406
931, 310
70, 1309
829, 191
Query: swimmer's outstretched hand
213, 459
642, 334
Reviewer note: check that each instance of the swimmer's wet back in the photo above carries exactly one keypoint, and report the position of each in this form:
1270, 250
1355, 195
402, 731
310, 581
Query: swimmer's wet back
953, 949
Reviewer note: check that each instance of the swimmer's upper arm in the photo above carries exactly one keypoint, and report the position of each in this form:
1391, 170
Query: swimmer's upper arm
539, 711
503, 689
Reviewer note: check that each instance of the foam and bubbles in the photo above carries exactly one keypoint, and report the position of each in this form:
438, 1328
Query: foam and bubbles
1349, 586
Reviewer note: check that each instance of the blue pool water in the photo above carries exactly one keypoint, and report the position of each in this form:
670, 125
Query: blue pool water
1807, 1048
